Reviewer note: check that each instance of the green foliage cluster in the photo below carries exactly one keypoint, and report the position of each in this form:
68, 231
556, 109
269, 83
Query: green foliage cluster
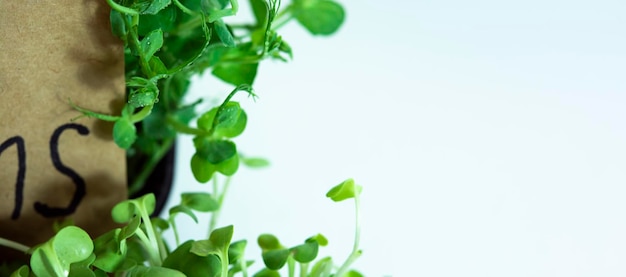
166, 43
169, 41
138, 248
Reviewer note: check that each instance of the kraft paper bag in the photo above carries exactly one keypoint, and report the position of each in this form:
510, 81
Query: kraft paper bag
53, 168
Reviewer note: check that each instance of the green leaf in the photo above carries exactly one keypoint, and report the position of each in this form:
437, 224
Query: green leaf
236, 251
144, 96
23, 271
228, 167
200, 201
223, 33
320, 239
261, 12
322, 17
156, 6
191, 264
165, 20
305, 253
254, 162
157, 65
353, 273
213, 150
218, 242
201, 168
268, 242
185, 210
152, 43
124, 133
205, 121
236, 73
118, 27
231, 121
53, 258
127, 209
322, 267
266, 272
275, 259
346, 190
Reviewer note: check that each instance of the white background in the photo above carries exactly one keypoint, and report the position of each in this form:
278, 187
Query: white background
489, 137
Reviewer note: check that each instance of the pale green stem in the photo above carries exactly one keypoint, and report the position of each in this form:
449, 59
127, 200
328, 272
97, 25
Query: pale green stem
154, 256
14, 245
356, 253
304, 269
220, 201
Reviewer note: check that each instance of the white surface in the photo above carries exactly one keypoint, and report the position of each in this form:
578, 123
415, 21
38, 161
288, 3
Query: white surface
489, 137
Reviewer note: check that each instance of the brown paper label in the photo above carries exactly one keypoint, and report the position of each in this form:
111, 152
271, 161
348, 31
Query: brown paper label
52, 168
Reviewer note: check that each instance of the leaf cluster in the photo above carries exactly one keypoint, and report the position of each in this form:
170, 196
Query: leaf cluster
166, 42
138, 249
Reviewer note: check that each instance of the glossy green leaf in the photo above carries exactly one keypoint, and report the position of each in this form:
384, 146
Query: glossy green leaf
268, 242
320, 239
213, 150
346, 190
275, 259
126, 210
205, 121
202, 169
191, 264
320, 17
236, 73
236, 251
199, 201
124, 133
223, 33
231, 125
266, 272
143, 97
53, 258
228, 115
83, 268
306, 252
228, 167
152, 43
218, 242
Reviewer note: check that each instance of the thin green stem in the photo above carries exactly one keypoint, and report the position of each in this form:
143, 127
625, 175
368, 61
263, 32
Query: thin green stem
142, 114
220, 200
149, 166
14, 245
176, 237
88, 113
304, 269
122, 9
356, 252
154, 256
184, 128
152, 236
133, 40
291, 266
